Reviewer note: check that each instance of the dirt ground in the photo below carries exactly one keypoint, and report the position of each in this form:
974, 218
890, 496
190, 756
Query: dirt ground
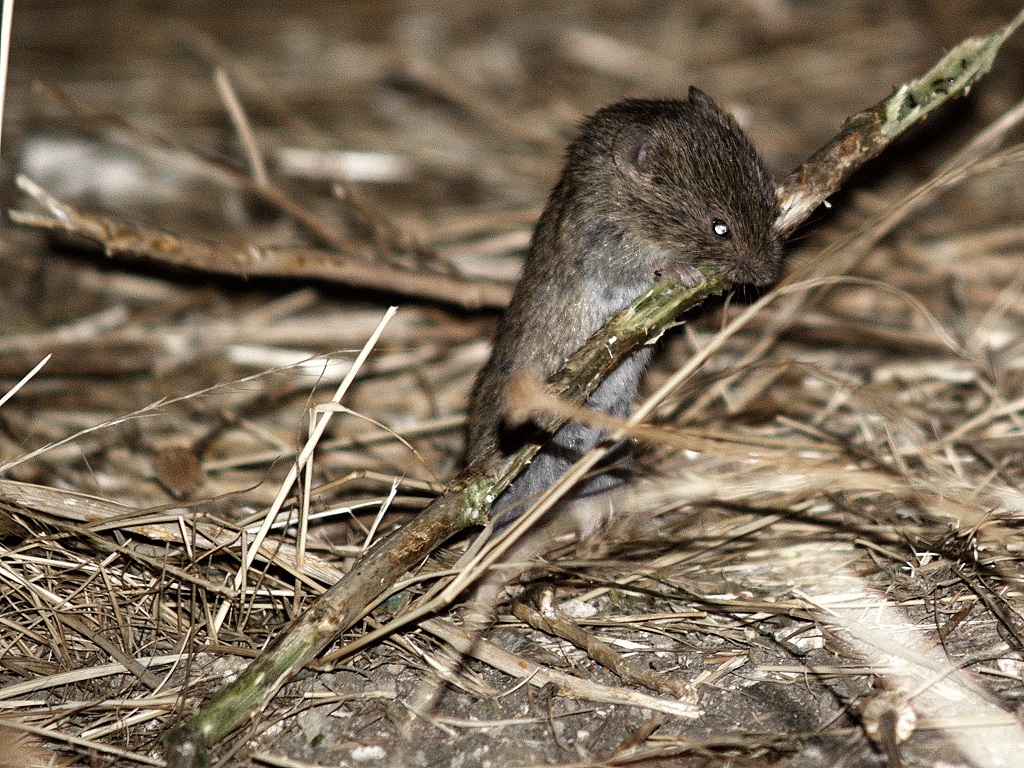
820, 563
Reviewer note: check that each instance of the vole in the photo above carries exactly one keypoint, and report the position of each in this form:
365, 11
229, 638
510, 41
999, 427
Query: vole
650, 189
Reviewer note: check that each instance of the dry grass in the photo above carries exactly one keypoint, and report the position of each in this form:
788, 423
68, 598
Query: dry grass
822, 553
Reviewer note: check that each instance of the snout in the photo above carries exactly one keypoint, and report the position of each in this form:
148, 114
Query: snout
760, 267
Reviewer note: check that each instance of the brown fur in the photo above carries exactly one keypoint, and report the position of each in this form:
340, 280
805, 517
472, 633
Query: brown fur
650, 189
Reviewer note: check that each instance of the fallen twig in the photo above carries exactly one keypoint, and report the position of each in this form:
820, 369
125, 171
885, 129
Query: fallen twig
603, 653
353, 268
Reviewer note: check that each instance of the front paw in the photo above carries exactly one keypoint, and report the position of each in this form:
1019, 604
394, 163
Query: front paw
683, 273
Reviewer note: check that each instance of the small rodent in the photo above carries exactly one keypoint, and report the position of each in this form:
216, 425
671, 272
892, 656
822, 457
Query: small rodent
650, 189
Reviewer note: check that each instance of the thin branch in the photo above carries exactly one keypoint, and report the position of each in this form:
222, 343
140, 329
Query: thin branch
868, 133
355, 268
243, 127
603, 653
6, 19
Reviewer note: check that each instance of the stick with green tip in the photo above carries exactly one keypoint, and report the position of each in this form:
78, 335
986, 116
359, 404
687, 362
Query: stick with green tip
466, 502
868, 133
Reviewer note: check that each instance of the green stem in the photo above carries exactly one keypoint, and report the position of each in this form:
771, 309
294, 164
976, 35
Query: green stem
466, 502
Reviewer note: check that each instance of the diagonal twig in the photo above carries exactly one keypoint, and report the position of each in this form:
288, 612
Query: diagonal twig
467, 499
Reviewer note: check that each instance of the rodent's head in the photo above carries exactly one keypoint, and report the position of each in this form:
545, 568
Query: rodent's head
682, 186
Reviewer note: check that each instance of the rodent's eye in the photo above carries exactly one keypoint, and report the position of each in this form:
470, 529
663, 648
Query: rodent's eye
720, 229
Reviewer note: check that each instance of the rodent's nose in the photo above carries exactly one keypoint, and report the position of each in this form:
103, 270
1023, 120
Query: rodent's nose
759, 268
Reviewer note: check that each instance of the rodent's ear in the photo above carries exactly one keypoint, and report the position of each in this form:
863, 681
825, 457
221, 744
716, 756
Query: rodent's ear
636, 149
700, 99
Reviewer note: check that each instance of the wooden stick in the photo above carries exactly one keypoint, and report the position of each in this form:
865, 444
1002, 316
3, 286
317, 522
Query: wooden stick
467, 500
